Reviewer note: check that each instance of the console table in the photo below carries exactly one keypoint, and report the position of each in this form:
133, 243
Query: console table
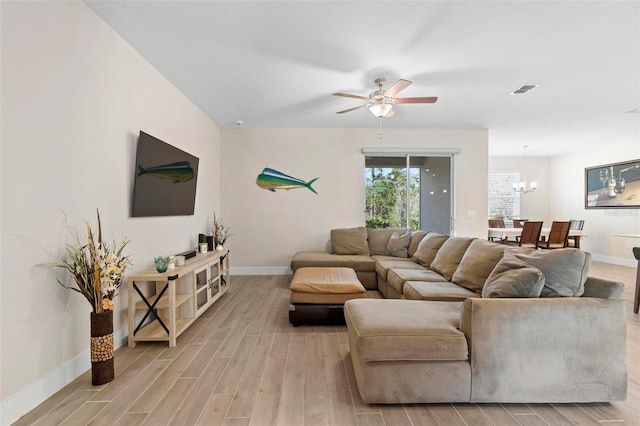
170, 301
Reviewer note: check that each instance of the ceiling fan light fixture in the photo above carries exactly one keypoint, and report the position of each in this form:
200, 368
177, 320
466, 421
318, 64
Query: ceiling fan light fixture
380, 110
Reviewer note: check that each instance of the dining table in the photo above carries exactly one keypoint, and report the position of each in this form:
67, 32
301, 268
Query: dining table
506, 233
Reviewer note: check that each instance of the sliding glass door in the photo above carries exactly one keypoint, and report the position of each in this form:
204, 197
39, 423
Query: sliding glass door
409, 192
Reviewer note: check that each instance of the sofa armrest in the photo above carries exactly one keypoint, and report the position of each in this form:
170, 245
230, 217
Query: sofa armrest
570, 349
604, 289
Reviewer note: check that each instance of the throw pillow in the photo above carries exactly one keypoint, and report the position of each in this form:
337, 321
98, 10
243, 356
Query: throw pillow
349, 241
565, 270
428, 248
379, 238
513, 277
477, 263
398, 244
416, 238
449, 256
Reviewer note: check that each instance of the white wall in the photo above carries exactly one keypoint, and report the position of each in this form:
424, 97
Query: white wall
601, 225
270, 227
74, 97
533, 205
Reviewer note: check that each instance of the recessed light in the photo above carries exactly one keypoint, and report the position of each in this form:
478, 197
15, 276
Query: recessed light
239, 123
524, 89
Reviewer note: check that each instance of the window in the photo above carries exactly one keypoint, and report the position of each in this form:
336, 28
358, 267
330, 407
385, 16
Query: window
423, 201
504, 202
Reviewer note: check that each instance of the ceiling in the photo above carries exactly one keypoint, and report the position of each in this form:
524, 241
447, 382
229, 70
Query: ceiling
275, 64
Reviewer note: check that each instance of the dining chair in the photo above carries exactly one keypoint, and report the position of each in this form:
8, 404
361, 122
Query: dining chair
495, 223
558, 236
517, 223
575, 225
530, 236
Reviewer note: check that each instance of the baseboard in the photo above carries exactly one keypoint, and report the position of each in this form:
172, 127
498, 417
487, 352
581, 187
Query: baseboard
20, 403
614, 260
260, 270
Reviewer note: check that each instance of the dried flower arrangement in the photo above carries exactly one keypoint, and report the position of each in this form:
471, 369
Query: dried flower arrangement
219, 230
97, 268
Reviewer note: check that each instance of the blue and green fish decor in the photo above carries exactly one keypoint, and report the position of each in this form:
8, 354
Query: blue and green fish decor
271, 180
180, 171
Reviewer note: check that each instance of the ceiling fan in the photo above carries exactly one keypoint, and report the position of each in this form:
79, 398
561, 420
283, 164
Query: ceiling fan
380, 102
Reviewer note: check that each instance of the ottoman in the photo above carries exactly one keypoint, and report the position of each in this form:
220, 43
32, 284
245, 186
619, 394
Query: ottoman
408, 351
318, 294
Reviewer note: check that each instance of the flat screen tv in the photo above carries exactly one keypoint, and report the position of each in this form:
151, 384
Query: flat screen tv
165, 182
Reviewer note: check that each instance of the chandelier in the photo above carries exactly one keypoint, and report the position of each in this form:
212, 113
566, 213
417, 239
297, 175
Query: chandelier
522, 185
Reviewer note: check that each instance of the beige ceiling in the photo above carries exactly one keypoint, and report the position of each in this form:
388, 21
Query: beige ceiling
276, 64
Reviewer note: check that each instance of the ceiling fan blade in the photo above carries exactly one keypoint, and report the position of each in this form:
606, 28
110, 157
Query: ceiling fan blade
420, 100
352, 109
397, 87
347, 95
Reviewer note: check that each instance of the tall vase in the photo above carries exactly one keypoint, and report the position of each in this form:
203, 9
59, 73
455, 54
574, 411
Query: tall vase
102, 348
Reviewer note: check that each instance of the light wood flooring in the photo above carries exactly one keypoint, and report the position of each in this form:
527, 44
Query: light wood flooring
242, 363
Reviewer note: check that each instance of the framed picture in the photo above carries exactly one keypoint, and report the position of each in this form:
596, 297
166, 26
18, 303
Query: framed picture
612, 186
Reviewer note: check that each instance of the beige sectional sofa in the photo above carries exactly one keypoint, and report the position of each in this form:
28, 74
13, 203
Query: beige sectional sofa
476, 321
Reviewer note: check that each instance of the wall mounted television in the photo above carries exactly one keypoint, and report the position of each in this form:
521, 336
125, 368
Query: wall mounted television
165, 179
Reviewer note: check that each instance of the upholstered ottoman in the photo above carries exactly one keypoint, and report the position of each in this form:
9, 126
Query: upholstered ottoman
318, 294
407, 351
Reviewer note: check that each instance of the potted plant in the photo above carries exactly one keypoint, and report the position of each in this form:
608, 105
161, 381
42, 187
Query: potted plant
97, 268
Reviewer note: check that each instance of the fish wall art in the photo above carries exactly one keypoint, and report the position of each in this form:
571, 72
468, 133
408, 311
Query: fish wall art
180, 171
271, 180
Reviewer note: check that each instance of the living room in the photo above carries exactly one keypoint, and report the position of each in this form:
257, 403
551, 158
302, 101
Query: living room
75, 94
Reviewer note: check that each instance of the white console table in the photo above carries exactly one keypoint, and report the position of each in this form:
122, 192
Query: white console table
170, 301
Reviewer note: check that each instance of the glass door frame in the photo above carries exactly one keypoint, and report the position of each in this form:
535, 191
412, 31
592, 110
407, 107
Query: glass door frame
407, 153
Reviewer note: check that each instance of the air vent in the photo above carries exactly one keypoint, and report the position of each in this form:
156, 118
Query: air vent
524, 89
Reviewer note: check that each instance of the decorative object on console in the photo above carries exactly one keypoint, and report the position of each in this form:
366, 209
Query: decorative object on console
220, 232
187, 254
97, 268
615, 185
161, 264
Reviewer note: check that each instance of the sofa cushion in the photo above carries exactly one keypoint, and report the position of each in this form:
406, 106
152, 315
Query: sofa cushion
397, 277
400, 330
350, 241
513, 277
477, 263
428, 248
325, 280
398, 244
383, 266
416, 238
565, 270
379, 238
443, 291
358, 263
449, 256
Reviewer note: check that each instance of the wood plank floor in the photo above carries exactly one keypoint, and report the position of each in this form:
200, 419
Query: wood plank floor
242, 363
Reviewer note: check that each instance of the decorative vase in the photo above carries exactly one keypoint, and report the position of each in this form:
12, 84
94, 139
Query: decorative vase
161, 264
102, 348
219, 247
